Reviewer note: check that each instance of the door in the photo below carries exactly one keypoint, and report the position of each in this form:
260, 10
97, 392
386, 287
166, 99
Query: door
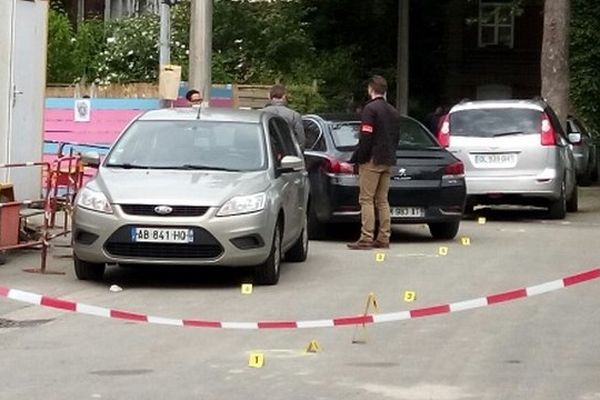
295, 191
24, 140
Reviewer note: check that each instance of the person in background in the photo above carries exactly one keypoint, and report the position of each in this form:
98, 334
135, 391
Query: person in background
375, 155
434, 119
279, 105
194, 98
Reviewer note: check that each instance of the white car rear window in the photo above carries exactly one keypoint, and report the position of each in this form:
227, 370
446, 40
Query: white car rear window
494, 122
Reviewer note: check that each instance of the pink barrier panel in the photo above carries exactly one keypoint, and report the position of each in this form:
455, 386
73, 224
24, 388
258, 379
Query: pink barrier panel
104, 127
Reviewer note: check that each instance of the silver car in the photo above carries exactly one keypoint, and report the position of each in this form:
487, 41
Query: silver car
514, 152
196, 187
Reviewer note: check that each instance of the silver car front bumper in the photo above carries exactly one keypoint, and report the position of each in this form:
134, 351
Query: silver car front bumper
256, 229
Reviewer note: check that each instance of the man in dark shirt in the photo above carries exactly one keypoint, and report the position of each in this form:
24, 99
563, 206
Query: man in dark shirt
375, 155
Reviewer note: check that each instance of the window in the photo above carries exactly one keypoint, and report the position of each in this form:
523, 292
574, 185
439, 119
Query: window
345, 135
290, 146
281, 140
496, 23
413, 135
183, 144
314, 135
572, 127
495, 122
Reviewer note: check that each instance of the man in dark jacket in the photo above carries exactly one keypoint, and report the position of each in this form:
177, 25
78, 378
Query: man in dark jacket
375, 155
279, 105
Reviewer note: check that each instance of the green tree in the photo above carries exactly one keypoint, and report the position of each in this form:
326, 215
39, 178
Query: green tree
60, 62
88, 46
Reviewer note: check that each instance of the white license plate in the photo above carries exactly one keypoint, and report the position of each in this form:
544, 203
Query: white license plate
504, 160
407, 212
162, 235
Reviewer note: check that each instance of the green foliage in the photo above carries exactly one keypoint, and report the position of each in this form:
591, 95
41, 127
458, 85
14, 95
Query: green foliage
60, 47
261, 41
254, 42
88, 45
306, 99
131, 51
72, 55
585, 61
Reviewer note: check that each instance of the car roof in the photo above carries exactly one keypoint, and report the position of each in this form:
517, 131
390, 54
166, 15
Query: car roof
203, 114
487, 104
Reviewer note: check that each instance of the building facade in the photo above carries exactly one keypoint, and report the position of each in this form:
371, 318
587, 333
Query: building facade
493, 52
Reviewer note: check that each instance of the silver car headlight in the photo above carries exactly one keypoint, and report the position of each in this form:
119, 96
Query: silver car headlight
93, 200
243, 205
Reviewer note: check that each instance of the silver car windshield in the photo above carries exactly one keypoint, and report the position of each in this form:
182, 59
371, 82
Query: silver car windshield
495, 122
193, 145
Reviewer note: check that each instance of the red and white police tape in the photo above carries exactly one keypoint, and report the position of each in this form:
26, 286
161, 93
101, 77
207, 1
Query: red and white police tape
67, 305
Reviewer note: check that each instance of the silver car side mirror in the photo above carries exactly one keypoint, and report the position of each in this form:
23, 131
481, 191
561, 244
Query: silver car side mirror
91, 159
291, 164
575, 138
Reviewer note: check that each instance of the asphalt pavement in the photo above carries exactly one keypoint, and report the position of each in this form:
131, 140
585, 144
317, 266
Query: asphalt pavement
541, 348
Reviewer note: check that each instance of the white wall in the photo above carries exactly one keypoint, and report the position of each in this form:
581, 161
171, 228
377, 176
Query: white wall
6, 32
22, 67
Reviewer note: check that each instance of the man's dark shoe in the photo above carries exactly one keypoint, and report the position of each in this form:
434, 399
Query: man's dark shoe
360, 245
381, 245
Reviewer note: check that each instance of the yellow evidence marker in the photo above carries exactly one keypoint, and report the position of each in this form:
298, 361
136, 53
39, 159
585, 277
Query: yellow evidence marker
246, 288
380, 257
256, 360
313, 347
481, 220
443, 251
410, 296
466, 241
371, 301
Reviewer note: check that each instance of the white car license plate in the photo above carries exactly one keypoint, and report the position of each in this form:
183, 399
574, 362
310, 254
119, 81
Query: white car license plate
162, 235
500, 160
407, 212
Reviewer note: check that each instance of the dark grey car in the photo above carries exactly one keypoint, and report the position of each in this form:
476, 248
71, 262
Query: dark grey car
584, 151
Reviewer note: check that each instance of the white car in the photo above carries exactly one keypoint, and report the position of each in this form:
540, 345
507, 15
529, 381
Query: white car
514, 152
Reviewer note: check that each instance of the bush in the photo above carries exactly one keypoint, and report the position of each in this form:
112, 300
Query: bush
306, 99
61, 65
88, 46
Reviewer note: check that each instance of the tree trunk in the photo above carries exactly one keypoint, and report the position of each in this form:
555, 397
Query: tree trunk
555, 57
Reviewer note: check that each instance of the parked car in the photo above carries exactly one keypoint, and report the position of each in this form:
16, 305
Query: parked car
196, 187
427, 184
515, 152
584, 150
